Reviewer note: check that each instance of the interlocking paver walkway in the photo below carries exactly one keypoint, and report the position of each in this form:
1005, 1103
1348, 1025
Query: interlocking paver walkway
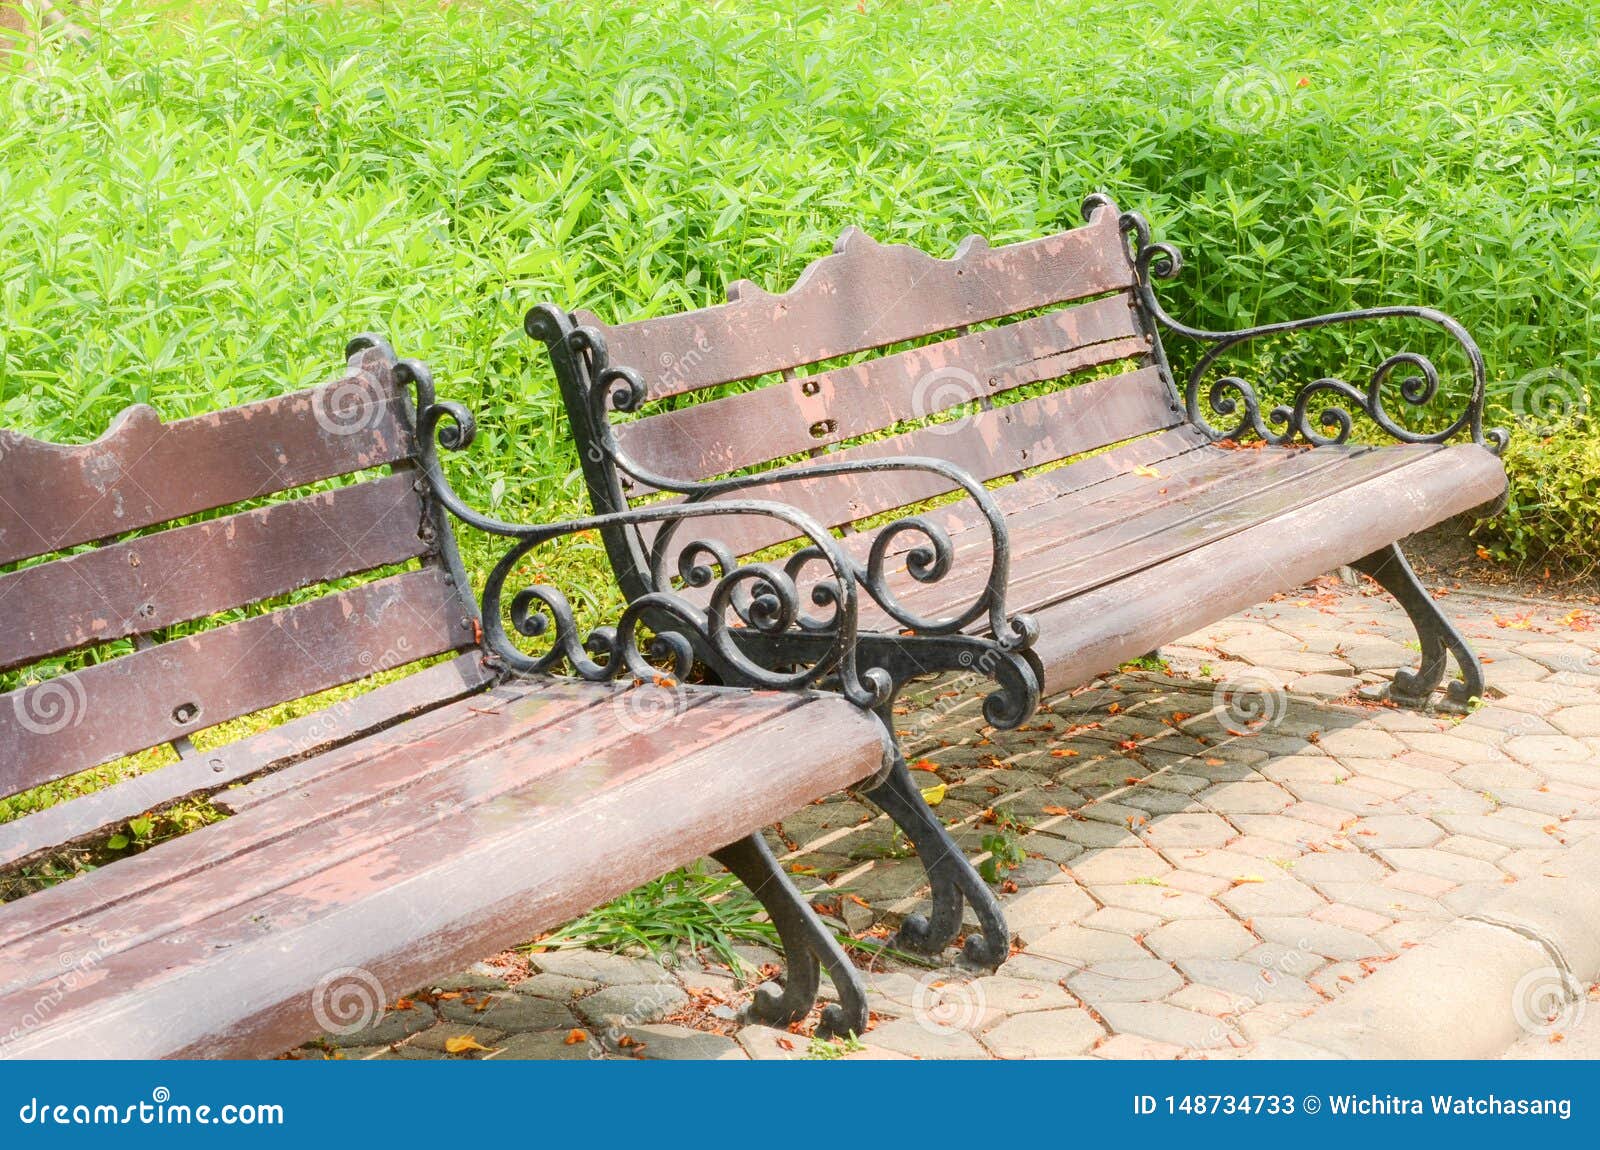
1214, 851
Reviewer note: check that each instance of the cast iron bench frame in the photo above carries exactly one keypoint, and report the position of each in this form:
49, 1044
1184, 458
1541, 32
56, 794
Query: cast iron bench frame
869, 297
147, 469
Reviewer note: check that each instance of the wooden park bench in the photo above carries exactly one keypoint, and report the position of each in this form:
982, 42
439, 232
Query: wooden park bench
385, 839
1101, 512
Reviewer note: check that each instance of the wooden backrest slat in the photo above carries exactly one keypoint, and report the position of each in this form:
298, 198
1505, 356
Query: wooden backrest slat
79, 720
306, 736
867, 295
191, 572
818, 411
143, 472
988, 445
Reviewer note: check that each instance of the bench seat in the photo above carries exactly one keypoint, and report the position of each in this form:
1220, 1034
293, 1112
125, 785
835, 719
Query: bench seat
410, 852
1115, 562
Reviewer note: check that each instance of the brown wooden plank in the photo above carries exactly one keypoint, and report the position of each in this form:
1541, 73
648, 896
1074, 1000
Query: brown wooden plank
396, 775
1103, 628
342, 725
987, 444
89, 717
191, 572
805, 413
465, 883
867, 295
1144, 523
143, 471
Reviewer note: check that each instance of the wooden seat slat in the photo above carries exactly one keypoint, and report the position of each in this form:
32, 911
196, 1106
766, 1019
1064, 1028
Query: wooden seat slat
97, 714
491, 870
1101, 628
356, 810
43, 831
1138, 526
188, 573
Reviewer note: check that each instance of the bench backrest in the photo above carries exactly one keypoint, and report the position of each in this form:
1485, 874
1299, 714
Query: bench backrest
866, 297
139, 580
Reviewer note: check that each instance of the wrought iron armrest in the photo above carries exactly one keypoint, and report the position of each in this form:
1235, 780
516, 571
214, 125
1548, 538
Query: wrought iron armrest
1229, 393
620, 388
763, 595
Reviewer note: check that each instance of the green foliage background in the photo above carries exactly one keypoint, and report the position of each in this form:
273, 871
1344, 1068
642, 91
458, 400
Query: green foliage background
206, 200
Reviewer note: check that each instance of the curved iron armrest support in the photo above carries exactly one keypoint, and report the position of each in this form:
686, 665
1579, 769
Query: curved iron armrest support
1228, 393
611, 388
765, 596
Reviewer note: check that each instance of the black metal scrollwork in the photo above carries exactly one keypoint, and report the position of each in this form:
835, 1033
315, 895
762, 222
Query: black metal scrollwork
611, 388
764, 597
1234, 398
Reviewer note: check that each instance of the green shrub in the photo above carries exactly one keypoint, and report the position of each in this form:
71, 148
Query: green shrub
1553, 508
207, 199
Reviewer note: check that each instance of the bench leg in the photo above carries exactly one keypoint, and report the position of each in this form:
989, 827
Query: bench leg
1435, 632
805, 941
950, 875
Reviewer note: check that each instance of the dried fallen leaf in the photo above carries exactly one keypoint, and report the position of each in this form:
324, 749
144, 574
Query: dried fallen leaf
924, 765
462, 1043
1147, 472
1064, 754
575, 1036
1056, 810
934, 795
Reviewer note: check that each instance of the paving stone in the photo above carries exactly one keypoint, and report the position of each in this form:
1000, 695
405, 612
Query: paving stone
1082, 947
547, 1046
1294, 832
1044, 1034
1120, 921
1007, 995
1322, 938
669, 1042
1283, 960
1446, 798
630, 1005
1132, 1046
1440, 864
1134, 980
508, 1012
1375, 832
1200, 938
1170, 1024
1352, 918
1580, 720
1039, 910
1504, 829
1541, 751
1246, 981
1361, 742
556, 987
1121, 865
1276, 896
1157, 898
1338, 866
1247, 798
922, 1039
598, 966
392, 1027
